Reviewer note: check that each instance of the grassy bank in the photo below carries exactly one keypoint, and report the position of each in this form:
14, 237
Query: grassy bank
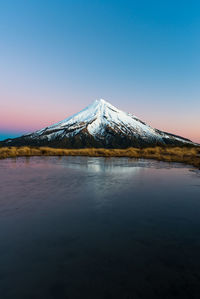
187, 155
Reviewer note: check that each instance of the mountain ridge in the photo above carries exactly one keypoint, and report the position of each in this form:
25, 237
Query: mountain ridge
99, 125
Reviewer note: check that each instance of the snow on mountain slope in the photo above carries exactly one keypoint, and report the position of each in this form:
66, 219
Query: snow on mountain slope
96, 117
101, 124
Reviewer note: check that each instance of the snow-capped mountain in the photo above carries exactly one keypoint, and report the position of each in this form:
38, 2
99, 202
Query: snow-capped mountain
99, 125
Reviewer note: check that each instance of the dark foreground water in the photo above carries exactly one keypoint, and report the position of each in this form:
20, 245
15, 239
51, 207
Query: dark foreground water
98, 228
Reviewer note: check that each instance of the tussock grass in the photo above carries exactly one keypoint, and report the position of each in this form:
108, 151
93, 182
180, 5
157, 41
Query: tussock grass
188, 155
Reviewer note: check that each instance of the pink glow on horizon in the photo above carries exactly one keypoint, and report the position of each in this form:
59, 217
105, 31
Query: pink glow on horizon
19, 115
17, 120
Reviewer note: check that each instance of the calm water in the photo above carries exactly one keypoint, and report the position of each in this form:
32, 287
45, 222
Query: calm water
98, 228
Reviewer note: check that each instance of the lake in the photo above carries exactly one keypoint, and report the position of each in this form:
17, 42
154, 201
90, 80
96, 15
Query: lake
82, 227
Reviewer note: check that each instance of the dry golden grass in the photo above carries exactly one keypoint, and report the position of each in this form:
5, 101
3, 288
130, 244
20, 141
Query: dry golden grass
188, 155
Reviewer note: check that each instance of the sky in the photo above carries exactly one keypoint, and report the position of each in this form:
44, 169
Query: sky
142, 56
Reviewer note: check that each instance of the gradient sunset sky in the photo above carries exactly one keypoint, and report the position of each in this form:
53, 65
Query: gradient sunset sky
142, 56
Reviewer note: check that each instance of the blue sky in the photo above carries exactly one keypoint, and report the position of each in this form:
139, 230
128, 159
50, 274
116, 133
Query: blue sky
57, 57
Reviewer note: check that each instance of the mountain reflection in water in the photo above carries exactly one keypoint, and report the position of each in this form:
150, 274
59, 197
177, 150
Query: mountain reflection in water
82, 227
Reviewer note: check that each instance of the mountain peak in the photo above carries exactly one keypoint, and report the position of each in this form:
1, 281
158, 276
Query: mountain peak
100, 106
100, 125
101, 102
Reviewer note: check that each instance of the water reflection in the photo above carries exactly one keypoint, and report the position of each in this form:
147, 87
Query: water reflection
81, 227
114, 165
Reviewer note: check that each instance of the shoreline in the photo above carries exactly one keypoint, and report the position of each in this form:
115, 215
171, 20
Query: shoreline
185, 155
